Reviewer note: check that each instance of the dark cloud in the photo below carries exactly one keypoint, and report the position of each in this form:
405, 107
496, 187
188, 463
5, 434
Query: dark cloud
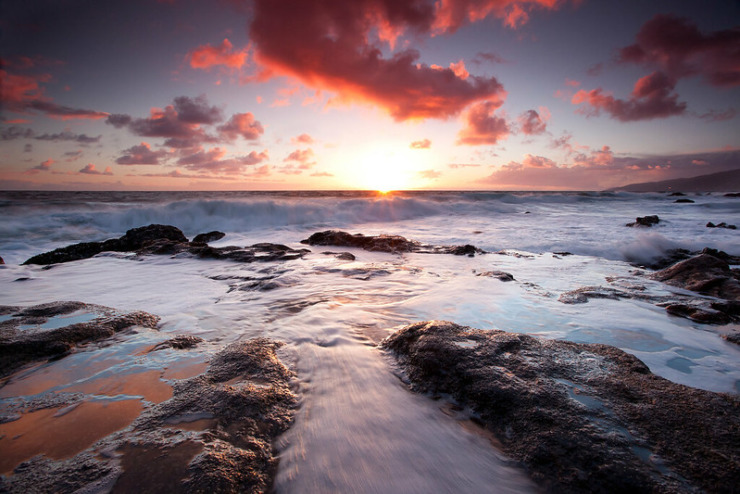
677, 48
652, 97
12, 133
69, 136
41, 167
241, 124
213, 162
28, 148
90, 169
482, 126
197, 110
329, 45
118, 120
532, 123
141, 154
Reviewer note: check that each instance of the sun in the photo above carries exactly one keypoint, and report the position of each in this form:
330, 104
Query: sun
385, 168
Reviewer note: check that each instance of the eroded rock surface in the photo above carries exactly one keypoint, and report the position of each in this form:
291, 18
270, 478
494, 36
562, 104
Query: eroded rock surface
394, 244
706, 274
645, 221
204, 238
51, 330
580, 417
169, 240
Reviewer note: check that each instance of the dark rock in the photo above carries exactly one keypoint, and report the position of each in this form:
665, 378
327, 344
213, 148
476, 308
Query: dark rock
501, 275
721, 225
676, 194
394, 244
581, 295
733, 194
563, 253
705, 274
580, 417
2, 261
342, 256
698, 314
204, 238
683, 201
168, 240
645, 221
179, 342
733, 337
21, 346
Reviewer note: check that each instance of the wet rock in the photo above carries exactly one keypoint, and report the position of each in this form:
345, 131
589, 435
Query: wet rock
676, 194
500, 275
721, 225
50, 331
684, 201
179, 342
563, 253
169, 240
647, 221
705, 273
2, 261
204, 238
580, 417
583, 294
394, 244
342, 256
732, 194
699, 314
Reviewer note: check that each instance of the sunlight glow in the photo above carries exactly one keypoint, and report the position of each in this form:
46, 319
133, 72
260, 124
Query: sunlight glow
384, 168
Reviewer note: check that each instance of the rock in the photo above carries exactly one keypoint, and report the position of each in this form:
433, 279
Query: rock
732, 194
394, 244
179, 342
721, 225
169, 240
676, 194
204, 238
683, 201
242, 403
2, 261
501, 275
581, 295
24, 337
698, 314
647, 221
563, 253
705, 274
342, 256
580, 417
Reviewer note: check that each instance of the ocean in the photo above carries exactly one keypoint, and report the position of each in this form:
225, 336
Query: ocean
356, 415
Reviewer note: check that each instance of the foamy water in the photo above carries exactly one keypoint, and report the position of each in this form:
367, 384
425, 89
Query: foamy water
358, 428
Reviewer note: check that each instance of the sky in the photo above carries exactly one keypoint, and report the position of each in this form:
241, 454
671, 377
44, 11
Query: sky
366, 94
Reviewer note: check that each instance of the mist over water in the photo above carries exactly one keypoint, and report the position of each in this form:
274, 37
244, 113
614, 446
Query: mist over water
358, 428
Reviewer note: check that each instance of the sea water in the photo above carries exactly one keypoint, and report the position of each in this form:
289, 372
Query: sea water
358, 428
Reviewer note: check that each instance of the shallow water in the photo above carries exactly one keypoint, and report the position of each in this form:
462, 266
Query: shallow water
358, 428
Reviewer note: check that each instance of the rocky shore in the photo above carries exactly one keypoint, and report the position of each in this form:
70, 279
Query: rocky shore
579, 417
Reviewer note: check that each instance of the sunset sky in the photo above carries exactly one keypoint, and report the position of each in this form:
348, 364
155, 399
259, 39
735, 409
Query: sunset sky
366, 94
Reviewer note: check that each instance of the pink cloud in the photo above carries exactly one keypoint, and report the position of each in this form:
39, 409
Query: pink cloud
303, 157
482, 126
141, 154
676, 47
533, 123
450, 15
538, 162
90, 169
430, 174
330, 45
41, 167
652, 97
212, 161
302, 139
598, 157
23, 94
242, 124
423, 144
207, 56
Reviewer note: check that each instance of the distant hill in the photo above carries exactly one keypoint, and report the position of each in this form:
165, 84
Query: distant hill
714, 182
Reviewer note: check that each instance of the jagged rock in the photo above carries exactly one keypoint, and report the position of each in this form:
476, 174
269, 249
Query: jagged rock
705, 274
699, 314
581, 295
204, 238
580, 417
168, 240
342, 256
684, 201
394, 244
721, 225
501, 275
179, 342
2, 261
24, 337
732, 194
647, 221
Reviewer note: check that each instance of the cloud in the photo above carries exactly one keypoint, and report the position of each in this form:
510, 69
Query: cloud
456, 166
303, 157
652, 97
28, 148
73, 155
597, 157
241, 124
90, 169
69, 136
450, 15
41, 167
141, 154
430, 174
332, 46
533, 123
23, 94
677, 48
302, 139
211, 161
717, 116
489, 57
207, 56
254, 158
538, 162
482, 126
12, 133
423, 144
118, 120
322, 174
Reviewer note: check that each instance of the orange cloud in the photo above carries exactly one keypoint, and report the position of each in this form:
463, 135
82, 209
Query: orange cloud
482, 126
423, 144
207, 56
